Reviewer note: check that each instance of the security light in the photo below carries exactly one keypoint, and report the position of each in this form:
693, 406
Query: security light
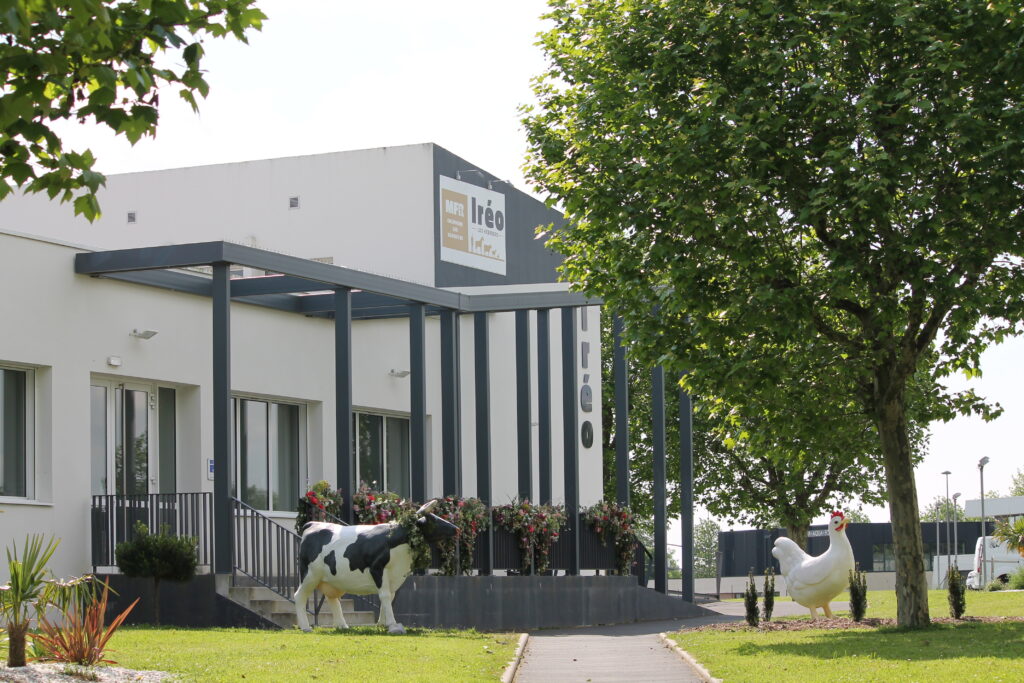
143, 334
398, 373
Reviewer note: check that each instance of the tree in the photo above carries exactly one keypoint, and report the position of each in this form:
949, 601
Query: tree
856, 516
161, 557
705, 548
939, 510
97, 61
1017, 485
812, 190
777, 469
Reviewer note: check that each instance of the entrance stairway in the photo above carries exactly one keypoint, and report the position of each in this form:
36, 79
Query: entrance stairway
280, 610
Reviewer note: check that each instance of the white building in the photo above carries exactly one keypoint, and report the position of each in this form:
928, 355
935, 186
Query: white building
116, 351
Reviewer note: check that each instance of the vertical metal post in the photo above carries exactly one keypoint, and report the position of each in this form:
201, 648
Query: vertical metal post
620, 374
544, 404
482, 382
524, 437
451, 418
344, 454
570, 438
686, 491
658, 486
418, 400
222, 471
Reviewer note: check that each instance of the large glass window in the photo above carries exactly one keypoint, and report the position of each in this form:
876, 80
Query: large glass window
269, 444
383, 452
15, 432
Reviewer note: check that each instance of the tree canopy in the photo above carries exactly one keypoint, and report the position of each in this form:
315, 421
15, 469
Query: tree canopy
99, 61
769, 192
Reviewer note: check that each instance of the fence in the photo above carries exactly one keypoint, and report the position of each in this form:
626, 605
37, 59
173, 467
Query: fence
113, 519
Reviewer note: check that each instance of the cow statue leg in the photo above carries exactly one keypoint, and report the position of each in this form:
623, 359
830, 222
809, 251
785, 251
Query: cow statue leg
306, 589
337, 613
387, 614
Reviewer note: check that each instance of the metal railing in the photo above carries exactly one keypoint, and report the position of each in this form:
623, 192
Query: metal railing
113, 519
265, 551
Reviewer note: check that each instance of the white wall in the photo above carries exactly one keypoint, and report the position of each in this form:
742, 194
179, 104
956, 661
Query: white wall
65, 326
372, 210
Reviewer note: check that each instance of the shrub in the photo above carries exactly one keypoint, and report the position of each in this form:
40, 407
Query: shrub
80, 637
858, 594
995, 585
26, 594
769, 593
321, 503
161, 557
615, 523
750, 600
1016, 581
957, 593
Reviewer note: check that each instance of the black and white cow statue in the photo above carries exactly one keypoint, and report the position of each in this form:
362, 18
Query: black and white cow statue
361, 560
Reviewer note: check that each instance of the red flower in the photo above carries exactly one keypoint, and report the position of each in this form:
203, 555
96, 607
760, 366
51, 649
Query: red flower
370, 498
530, 528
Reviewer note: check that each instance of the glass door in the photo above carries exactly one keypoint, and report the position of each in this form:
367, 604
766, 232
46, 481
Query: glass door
123, 417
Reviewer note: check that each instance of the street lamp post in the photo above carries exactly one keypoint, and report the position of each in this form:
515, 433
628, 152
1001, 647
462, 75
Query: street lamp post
981, 474
946, 519
956, 544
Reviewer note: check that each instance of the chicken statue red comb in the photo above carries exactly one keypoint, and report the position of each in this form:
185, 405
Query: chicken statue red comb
838, 513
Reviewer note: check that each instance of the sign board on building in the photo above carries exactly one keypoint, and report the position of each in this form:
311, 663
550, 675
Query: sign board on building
472, 226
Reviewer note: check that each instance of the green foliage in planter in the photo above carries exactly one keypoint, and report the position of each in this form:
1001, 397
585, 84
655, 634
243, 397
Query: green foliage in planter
536, 527
381, 507
957, 593
858, 594
161, 557
469, 515
750, 600
320, 504
769, 593
614, 523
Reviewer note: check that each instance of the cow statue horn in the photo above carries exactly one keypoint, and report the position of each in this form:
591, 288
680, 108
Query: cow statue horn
427, 507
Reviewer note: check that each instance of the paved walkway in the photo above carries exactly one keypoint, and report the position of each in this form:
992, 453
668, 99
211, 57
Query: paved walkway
604, 654
625, 652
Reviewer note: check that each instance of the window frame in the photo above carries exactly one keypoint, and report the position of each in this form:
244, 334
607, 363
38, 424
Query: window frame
30, 432
384, 415
272, 464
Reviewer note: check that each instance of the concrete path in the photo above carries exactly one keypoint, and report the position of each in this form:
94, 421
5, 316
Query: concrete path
604, 654
782, 608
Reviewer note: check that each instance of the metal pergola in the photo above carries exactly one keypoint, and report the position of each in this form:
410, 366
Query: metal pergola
317, 289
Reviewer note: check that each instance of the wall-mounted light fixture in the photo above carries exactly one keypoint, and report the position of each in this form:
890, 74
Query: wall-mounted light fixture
459, 174
142, 334
114, 361
492, 183
398, 373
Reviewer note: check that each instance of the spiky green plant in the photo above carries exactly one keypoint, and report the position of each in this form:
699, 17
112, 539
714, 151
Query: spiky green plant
769, 593
957, 593
858, 594
750, 600
27, 594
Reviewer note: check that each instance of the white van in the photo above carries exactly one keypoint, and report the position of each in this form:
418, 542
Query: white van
1000, 562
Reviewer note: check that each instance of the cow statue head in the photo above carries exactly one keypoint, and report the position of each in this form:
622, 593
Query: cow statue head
434, 528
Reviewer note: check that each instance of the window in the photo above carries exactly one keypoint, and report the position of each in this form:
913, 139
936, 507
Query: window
883, 559
383, 452
16, 428
269, 453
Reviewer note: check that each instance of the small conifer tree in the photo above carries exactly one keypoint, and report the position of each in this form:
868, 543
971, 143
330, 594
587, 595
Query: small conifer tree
161, 557
858, 594
750, 599
957, 593
769, 593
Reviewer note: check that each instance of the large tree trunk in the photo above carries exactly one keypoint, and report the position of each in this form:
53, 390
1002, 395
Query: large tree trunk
911, 586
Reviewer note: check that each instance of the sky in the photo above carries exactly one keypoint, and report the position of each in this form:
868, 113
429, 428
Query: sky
326, 76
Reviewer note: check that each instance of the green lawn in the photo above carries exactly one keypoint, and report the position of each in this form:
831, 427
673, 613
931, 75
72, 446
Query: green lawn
360, 654
965, 651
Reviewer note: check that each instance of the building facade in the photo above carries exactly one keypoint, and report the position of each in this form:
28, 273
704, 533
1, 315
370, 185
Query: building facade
108, 377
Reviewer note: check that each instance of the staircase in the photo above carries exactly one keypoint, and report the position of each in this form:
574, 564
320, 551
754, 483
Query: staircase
281, 611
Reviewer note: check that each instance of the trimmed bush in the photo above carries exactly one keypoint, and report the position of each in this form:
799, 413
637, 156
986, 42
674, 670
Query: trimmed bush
995, 585
750, 600
769, 593
858, 594
957, 593
1017, 580
161, 557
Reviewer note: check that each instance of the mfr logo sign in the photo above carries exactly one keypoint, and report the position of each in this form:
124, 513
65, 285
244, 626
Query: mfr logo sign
472, 226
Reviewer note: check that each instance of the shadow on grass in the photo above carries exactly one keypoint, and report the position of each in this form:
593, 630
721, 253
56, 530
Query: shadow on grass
999, 640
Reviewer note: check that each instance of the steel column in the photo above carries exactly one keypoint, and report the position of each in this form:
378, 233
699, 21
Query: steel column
222, 475
544, 404
658, 486
524, 437
451, 418
686, 491
482, 382
418, 400
620, 375
570, 453
344, 439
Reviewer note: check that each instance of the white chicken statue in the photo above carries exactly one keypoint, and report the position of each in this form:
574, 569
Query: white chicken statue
814, 581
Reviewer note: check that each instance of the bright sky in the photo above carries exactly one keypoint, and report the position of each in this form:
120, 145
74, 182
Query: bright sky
326, 76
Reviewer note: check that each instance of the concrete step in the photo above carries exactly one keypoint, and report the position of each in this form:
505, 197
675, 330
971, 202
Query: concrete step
276, 608
325, 620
